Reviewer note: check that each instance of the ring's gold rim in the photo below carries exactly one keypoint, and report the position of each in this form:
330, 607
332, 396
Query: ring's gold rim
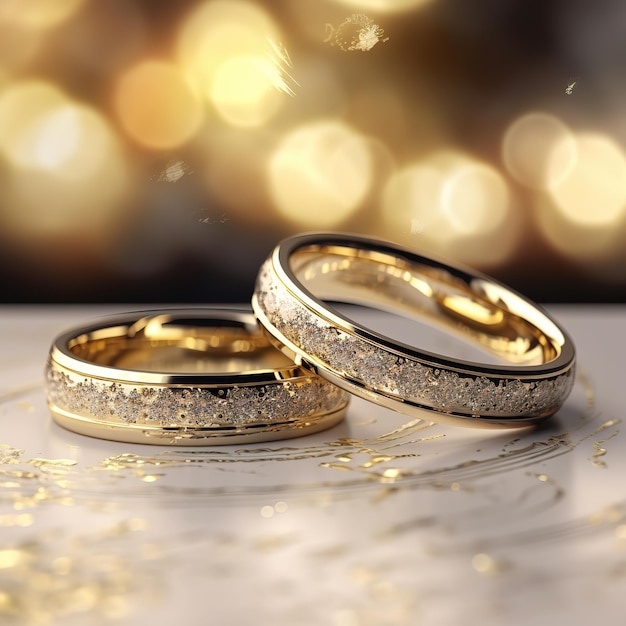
310, 331
281, 265
277, 399
117, 325
199, 436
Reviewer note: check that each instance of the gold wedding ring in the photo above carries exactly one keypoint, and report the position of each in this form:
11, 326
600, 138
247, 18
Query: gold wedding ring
305, 274
184, 377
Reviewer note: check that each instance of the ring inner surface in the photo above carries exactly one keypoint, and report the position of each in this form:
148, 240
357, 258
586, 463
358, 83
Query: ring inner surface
475, 308
167, 345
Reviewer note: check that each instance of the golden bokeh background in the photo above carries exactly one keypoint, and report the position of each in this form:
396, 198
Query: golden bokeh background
155, 151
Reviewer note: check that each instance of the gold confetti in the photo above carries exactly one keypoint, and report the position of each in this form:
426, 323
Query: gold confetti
60, 575
600, 451
336, 466
151, 478
391, 473
357, 32
377, 459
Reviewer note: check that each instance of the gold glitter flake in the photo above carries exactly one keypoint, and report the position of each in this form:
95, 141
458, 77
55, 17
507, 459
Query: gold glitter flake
37, 481
357, 32
45, 581
8, 454
151, 478
50, 465
599, 450
391, 473
336, 466
377, 458
596, 460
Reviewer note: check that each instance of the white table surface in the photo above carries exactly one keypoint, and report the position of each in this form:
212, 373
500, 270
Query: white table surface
378, 521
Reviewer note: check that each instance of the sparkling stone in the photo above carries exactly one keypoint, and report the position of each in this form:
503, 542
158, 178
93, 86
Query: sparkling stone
275, 402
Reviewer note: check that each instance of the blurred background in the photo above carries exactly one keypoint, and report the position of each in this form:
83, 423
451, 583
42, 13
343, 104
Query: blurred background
156, 150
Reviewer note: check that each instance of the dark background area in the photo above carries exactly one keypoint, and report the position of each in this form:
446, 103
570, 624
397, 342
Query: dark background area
122, 191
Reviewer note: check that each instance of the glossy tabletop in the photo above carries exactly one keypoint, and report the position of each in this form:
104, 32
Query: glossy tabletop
381, 520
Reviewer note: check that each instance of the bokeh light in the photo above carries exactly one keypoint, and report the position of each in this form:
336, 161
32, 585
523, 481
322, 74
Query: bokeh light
584, 216
46, 205
66, 168
156, 106
24, 109
529, 153
594, 191
216, 30
451, 204
74, 141
475, 199
411, 201
158, 139
320, 173
588, 246
386, 6
244, 90
225, 48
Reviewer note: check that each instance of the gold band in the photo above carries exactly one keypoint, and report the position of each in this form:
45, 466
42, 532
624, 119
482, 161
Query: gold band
305, 273
184, 377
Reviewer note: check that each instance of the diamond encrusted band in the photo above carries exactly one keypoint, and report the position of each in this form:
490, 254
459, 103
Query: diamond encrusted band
184, 377
305, 273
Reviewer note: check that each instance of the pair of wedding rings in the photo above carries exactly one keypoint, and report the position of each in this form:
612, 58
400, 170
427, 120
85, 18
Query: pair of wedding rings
288, 367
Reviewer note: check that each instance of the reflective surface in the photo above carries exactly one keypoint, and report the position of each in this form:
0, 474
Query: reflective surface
380, 520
